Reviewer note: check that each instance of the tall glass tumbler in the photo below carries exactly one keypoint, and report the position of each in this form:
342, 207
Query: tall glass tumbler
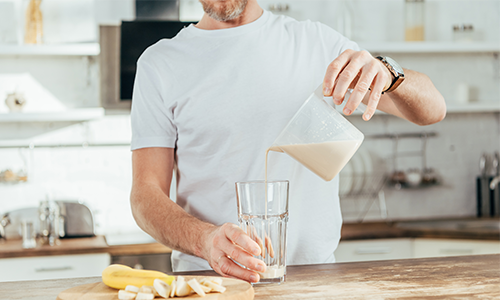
263, 215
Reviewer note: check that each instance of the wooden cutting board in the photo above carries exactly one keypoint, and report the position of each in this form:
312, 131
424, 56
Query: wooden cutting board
236, 290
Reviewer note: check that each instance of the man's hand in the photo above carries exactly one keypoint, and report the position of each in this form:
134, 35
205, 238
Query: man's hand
228, 244
360, 71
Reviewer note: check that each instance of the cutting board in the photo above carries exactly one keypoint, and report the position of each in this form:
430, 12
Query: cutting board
235, 290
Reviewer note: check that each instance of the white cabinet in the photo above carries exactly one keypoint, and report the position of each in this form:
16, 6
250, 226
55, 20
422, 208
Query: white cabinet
401, 248
446, 247
380, 249
52, 267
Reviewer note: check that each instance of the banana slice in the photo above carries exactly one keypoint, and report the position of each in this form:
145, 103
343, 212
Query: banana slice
193, 283
205, 288
162, 288
183, 289
144, 296
214, 286
146, 289
132, 288
217, 280
173, 287
124, 295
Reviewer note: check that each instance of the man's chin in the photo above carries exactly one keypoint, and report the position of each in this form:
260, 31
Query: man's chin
224, 10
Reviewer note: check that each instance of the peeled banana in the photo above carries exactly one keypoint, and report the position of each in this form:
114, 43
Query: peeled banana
119, 276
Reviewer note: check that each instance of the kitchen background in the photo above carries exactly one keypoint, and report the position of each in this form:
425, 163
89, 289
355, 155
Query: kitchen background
84, 155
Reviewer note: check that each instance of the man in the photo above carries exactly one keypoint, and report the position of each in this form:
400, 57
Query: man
211, 100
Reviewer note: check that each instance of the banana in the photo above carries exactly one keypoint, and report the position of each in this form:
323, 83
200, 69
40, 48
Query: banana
119, 276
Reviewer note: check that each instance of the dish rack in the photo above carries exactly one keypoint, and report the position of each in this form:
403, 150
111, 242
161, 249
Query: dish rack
367, 196
368, 182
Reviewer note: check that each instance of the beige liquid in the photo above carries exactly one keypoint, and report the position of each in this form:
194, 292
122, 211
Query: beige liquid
324, 159
273, 272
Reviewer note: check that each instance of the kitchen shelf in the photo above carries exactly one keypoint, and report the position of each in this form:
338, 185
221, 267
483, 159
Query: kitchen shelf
473, 107
450, 108
74, 115
431, 47
83, 49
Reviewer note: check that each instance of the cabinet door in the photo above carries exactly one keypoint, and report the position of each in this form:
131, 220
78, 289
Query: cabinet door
447, 247
52, 267
380, 249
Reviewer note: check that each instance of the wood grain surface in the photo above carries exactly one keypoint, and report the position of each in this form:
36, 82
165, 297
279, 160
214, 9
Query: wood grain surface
236, 290
97, 244
458, 277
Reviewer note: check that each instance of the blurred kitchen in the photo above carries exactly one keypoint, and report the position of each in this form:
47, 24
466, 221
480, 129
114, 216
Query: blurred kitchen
66, 75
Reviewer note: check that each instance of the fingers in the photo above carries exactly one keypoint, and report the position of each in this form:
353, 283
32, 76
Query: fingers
228, 268
361, 72
227, 252
241, 256
269, 247
368, 73
375, 95
236, 235
334, 70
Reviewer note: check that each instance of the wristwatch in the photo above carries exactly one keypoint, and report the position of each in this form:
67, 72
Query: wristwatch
396, 71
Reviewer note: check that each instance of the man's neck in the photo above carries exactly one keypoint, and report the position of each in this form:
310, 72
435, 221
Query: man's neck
251, 13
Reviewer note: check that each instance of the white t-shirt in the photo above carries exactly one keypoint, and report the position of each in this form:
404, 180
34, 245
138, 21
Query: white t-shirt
220, 98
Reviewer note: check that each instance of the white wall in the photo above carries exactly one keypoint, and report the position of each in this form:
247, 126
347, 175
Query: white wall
102, 176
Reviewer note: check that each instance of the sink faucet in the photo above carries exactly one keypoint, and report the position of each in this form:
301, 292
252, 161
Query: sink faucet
3, 223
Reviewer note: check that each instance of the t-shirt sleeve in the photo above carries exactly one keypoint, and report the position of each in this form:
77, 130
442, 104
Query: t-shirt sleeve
151, 115
336, 42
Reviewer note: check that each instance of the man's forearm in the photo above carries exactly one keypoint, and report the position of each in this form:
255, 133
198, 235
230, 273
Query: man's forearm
417, 99
165, 221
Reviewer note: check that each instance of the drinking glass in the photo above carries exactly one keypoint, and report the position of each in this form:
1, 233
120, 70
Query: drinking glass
263, 215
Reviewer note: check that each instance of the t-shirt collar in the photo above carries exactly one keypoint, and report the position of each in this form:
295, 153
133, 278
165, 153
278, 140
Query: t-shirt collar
193, 30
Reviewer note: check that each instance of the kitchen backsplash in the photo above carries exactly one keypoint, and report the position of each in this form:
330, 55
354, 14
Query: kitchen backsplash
101, 176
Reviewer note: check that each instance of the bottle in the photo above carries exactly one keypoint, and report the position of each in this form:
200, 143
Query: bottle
414, 20
34, 23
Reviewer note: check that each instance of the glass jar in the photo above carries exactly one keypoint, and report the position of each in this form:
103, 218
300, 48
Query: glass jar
414, 20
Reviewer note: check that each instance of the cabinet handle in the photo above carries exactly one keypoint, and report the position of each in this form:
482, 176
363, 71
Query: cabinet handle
373, 250
67, 268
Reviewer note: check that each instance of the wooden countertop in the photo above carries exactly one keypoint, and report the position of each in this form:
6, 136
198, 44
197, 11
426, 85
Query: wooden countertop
378, 230
458, 277
97, 244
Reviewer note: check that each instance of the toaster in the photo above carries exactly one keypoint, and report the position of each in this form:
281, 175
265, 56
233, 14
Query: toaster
77, 218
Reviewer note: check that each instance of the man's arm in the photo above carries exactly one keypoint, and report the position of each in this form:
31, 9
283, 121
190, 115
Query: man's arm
170, 225
416, 99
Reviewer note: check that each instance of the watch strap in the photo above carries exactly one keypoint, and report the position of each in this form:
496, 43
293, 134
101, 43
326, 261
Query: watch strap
398, 77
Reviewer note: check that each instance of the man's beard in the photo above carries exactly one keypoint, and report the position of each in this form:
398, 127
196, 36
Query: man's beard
224, 11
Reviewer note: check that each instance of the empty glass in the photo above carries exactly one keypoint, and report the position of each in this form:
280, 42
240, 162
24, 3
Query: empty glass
263, 215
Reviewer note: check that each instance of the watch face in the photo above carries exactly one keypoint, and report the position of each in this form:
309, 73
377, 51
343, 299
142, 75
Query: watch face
394, 65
